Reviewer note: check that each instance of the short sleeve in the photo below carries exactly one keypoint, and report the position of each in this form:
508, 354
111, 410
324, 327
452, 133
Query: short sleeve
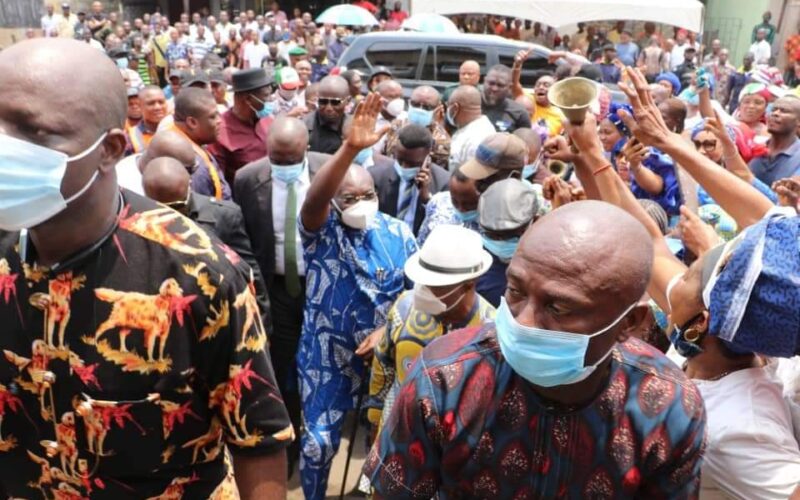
245, 396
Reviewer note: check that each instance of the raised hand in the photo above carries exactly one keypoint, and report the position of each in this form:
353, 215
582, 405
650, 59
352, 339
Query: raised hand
584, 135
362, 131
557, 191
521, 57
557, 148
698, 236
635, 152
715, 126
648, 126
788, 191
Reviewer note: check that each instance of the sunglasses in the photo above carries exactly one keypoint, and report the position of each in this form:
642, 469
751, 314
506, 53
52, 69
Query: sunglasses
329, 101
426, 107
708, 145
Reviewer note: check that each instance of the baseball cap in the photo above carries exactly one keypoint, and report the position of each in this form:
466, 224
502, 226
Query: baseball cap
216, 76
288, 78
298, 51
500, 151
507, 204
192, 76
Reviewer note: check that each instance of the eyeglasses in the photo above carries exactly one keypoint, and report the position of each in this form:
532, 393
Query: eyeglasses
329, 101
708, 145
420, 105
350, 199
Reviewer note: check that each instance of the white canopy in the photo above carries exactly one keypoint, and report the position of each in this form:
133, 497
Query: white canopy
557, 13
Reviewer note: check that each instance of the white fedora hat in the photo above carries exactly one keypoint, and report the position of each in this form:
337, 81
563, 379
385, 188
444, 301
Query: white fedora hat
451, 254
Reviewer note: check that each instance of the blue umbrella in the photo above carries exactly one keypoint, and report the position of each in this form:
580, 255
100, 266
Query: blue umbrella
347, 15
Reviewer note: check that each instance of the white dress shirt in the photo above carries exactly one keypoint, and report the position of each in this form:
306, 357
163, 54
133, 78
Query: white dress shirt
279, 194
466, 140
128, 174
751, 450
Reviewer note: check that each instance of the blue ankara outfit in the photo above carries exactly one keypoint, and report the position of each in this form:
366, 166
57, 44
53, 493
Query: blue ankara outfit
352, 279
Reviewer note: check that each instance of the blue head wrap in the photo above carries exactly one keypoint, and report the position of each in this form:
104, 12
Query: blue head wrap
616, 120
754, 295
671, 78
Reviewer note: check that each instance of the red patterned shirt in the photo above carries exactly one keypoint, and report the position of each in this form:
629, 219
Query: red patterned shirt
464, 425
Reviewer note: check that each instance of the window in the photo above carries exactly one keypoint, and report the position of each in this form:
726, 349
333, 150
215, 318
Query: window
402, 59
449, 59
531, 69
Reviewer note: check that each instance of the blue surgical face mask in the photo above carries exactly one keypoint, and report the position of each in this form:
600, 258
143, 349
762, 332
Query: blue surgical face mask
407, 174
547, 358
362, 156
529, 170
30, 182
502, 249
419, 116
288, 173
469, 216
122, 62
267, 107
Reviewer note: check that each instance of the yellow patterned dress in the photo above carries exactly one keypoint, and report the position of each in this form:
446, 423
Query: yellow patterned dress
408, 331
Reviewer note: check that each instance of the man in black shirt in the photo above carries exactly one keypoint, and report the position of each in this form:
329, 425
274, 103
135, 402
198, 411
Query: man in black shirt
327, 124
505, 114
686, 69
134, 355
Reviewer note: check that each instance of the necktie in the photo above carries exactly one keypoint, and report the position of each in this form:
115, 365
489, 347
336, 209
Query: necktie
290, 242
405, 198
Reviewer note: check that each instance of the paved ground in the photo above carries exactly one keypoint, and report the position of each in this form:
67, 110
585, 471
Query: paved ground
337, 471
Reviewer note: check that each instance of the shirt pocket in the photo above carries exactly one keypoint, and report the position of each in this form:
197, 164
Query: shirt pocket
120, 438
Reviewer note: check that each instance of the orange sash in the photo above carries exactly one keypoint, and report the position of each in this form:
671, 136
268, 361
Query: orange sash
212, 169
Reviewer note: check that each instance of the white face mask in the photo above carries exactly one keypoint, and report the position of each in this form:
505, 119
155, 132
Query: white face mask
30, 182
426, 301
287, 95
395, 107
359, 215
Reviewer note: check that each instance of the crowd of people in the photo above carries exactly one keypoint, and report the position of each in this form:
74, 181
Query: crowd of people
237, 244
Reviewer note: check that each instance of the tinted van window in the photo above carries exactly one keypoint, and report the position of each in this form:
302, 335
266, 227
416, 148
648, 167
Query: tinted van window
401, 58
449, 59
531, 68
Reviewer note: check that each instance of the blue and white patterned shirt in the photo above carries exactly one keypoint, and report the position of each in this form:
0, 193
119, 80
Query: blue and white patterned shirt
352, 279
440, 210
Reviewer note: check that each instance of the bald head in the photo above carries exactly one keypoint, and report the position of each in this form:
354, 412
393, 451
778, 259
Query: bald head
287, 141
172, 145
466, 96
591, 246
40, 77
533, 141
389, 89
165, 180
469, 73
357, 182
425, 94
334, 86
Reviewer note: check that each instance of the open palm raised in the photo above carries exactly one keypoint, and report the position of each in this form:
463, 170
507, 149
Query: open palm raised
362, 131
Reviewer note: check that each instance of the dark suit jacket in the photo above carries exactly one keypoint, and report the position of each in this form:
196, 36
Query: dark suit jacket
224, 219
387, 185
252, 190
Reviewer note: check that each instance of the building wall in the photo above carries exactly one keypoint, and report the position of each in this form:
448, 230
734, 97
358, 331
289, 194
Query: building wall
732, 22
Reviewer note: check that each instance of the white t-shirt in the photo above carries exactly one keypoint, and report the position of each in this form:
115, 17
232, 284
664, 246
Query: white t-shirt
128, 174
255, 54
466, 140
751, 450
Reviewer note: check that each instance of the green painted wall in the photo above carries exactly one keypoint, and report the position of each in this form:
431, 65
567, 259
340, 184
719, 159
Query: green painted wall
733, 22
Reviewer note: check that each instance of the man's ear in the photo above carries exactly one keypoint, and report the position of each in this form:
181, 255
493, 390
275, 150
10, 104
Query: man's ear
633, 322
113, 148
191, 122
